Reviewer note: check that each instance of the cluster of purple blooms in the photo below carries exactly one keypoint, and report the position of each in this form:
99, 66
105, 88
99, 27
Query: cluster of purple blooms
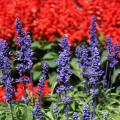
86, 112
43, 78
88, 59
113, 52
38, 114
82, 56
5, 67
24, 54
75, 116
64, 74
89, 62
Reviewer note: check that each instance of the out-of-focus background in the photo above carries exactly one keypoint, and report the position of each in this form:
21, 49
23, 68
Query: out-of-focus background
51, 19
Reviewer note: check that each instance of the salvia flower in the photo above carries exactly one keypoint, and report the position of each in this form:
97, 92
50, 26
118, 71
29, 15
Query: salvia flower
75, 116
7, 80
81, 53
82, 56
55, 108
37, 113
63, 67
64, 74
109, 43
66, 99
113, 56
4, 53
93, 39
24, 54
55, 111
94, 72
86, 112
113, 51
6, 71
43, 78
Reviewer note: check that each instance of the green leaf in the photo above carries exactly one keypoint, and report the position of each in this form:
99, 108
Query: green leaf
104, 56
52, 63
50, 55
48, 46
28, 113
49, 114
52, 80
115, 74
76, 69
36, 75
116, 117
35, 44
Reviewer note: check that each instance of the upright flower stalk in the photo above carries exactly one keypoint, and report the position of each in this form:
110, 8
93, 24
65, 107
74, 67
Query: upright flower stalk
64, 75
86, 113
7, 80
75, 116
81, 53
24, 55
113, 51
94, 72
55, 111
38, 114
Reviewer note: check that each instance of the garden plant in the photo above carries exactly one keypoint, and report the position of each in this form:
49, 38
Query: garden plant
60, 72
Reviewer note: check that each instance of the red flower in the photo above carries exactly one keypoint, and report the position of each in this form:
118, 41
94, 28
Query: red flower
19, 92
53, 18
2, 93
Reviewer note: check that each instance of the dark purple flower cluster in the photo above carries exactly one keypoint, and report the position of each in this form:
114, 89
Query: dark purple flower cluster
55, 108
86, 112
94, 72
55, 111
37, 111
93, 39
43, 78
4, 52
75, 116
24, 55
89, 61
64, 73
81, 53
5, 66
113, 52
64, 68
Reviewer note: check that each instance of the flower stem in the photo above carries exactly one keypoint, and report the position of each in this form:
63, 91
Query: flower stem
11, 109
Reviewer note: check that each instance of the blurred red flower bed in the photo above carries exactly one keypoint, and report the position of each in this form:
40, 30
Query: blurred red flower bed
19, 91
50, 18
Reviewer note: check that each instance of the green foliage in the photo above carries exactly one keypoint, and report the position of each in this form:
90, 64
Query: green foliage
106, 102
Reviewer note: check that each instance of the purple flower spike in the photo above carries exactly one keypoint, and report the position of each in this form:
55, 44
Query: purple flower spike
86, 112
75, 116
37, 111
5, 66
55, 111
93, 39
64, 74
24, 55
43, 78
